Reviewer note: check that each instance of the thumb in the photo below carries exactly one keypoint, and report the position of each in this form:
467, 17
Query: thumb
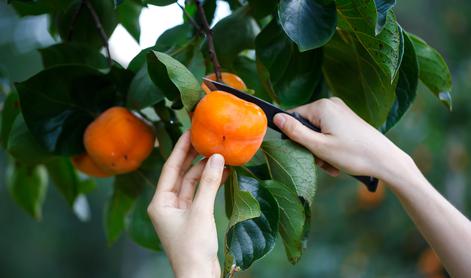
210, 183
299, 133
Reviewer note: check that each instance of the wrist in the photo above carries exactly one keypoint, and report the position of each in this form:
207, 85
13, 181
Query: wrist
398, 168
198, 269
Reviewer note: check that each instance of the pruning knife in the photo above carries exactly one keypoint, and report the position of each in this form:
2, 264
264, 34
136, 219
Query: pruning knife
271, 110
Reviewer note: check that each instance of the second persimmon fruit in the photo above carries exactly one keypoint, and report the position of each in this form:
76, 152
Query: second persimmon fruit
229, 79
118, 141
225, 124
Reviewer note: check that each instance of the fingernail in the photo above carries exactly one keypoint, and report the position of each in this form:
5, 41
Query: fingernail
216, 161
279, 120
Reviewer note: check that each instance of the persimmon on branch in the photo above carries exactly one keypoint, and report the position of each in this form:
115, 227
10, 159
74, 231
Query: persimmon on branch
209, 36
98, 26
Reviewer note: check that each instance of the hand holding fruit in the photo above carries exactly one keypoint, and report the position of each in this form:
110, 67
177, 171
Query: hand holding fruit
184, 219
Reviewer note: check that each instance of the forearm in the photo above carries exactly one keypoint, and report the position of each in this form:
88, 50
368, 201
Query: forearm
446, 229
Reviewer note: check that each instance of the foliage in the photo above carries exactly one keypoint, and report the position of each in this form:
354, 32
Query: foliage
355, 48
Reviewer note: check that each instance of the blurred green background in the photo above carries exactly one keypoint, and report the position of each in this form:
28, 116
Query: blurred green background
353, 234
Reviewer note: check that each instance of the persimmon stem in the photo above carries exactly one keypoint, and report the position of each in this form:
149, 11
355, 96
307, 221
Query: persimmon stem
100, 29
190, 18
209, 36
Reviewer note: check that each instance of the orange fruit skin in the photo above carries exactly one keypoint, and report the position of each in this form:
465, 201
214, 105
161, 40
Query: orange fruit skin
118, 141
368, 199
230, 126
85, 164
228, 78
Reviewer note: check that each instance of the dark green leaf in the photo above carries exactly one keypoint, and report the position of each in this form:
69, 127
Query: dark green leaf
64, 177
139, 225
243, 204
309, 23
23, 146
251, 239
233, 34
262, 8
355, 78
72, 53
292, 165
382, 8
84, 29
128, 15
116, 210
159, 2
292, 218
433, 70
11, 109
174, 78
37, 7
246, 69
406, 85
27, 185
142, 91
58, 104
359, 17
293, 75
165, 141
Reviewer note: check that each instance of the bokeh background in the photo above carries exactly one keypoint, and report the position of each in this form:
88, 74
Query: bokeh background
354, 234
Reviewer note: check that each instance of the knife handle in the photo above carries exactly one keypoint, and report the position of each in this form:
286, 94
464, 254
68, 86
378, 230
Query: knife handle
370, 182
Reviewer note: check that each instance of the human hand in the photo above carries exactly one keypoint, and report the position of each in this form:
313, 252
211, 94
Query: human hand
347, 142
184, 220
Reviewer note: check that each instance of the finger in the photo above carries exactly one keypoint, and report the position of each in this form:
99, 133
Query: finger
209, 184
331, 170
172, 168
190, 180
296, 131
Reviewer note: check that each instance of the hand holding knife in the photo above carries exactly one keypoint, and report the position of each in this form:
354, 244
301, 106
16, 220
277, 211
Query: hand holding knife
271, 110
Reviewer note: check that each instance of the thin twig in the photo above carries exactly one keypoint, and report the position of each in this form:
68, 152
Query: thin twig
209, 37
74, 21
100, 29
191, 19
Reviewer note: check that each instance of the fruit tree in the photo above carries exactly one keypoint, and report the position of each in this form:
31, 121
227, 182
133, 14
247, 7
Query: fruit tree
84, 117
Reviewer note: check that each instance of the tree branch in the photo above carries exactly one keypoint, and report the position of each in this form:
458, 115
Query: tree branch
74, 21
209, 37
100, 29
191, 19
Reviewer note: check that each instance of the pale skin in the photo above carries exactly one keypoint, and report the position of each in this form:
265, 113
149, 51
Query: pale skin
184, 219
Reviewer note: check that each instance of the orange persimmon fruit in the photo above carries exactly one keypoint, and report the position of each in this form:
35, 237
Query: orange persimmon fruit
225, 124
229, 79
118, 141
85, 164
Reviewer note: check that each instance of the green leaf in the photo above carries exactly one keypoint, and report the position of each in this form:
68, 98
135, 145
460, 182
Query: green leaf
292, 218
165, 141
251, 239
85, 28
262, 8
142, 91
309, 23
293, 75
243, 205
359, 17
23, 146
64, 177
116, 210
292, 165
246, 69
128, 15
159, 2
72, 53
173, 78
28, 185
433, 70
37, 7
406, 85
11, 109
354, 77
382, 8
139, 225
58, 104
234, 33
